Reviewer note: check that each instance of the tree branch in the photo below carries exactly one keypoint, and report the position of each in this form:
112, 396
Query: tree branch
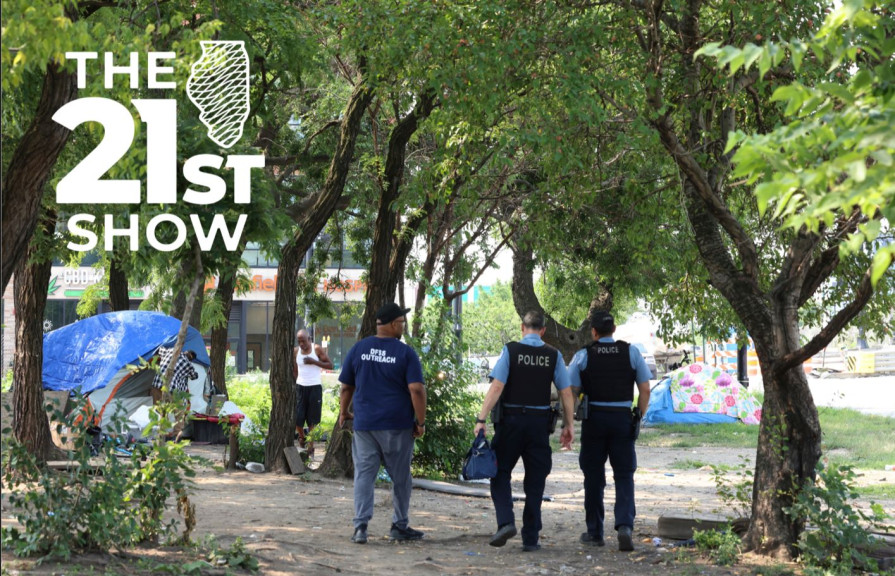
823, 338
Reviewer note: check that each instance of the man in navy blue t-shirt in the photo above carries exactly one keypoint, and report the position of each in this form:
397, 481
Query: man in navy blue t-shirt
385, 378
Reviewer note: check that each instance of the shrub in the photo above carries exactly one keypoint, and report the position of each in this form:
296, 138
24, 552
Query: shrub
251, 392
451, 402
837, 531
251, 446
80, 509
723, 547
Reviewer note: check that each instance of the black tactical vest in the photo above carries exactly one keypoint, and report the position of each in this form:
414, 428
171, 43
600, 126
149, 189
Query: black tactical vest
531, 373
608, 376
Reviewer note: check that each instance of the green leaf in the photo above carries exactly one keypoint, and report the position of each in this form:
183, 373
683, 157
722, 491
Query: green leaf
795, 95
837, 90
711, 49
871, 229
732, 56
797, 48
882, 157
881, 262
751, 53
858, 170
765, 62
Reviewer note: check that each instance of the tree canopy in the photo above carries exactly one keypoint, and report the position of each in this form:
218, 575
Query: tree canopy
729, 163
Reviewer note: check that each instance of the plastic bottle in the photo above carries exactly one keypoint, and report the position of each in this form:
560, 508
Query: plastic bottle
255, 467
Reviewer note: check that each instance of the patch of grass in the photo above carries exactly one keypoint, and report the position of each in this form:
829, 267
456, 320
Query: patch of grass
688, 464
849, 437
701, 435
885, 491
859, 440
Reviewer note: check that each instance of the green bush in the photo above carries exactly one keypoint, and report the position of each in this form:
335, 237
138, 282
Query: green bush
723, 547
451, 401
251, 446
237, 556
251, 392
81, 509
837, 531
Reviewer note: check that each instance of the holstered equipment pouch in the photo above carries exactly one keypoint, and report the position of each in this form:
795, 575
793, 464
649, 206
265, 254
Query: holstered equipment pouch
636, 417
497, 413
583, 411
554, 416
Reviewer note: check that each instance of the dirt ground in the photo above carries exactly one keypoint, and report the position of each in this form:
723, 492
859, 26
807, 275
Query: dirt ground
302, 524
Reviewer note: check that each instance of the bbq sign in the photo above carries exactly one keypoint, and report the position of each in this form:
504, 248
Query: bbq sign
219, 87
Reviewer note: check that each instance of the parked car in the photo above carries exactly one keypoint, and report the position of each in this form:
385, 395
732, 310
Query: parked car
650, 359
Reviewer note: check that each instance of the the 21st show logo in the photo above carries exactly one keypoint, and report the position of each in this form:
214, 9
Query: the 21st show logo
219, 87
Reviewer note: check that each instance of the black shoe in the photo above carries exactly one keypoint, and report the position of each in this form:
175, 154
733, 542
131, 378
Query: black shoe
503, 534
625, 539
531, 547
360, 534
404, 534
588, 538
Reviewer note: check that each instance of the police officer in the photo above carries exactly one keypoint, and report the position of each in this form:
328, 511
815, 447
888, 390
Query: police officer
606, 371
521, 381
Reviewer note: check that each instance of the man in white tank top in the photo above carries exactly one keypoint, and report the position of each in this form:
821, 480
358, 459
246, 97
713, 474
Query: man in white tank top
310, 361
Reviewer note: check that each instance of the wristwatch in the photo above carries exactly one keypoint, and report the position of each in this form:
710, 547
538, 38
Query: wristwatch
480, 421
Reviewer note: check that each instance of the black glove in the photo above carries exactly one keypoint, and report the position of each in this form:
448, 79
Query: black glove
635, 423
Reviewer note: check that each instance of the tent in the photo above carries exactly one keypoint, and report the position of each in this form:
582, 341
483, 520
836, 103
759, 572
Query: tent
701, 394
97, 357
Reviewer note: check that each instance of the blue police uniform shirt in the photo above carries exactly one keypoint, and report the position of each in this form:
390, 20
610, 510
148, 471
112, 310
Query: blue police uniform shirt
380, 369
579, 363
501, 369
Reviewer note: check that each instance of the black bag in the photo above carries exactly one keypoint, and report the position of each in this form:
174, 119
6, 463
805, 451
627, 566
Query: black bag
480, 461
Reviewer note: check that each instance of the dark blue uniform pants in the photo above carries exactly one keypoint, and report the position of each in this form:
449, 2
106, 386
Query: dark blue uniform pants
607, 435
525, 435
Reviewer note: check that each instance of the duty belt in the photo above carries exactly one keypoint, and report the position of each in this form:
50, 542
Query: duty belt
524, 410
600, 408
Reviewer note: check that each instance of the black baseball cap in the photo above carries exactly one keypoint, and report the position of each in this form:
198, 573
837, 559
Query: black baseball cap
602, 321
390, 312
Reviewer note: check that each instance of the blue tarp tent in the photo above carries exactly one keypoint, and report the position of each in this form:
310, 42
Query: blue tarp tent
701, 394
92, 357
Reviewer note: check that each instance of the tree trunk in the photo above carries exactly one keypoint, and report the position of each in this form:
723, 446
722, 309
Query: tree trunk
219, 351
119, 299
179, 302
382, 278
566, 340
30, 424
30, 166
422, 287
282, 385
190, 305
339, 464
788, 451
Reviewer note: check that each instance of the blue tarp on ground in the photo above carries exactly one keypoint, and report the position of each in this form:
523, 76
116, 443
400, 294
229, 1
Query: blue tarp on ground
89, 352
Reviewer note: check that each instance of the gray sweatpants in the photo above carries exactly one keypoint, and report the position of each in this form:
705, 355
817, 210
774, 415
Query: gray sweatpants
394, 448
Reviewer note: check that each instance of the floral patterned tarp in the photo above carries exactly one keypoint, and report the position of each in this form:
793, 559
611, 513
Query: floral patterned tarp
704, 388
